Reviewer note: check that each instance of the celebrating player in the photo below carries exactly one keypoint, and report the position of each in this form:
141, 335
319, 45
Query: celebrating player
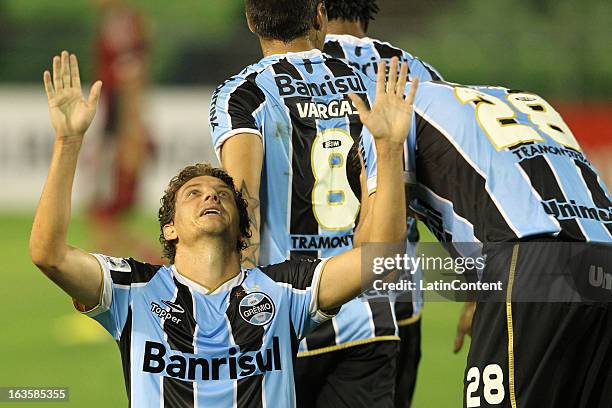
499, 169
286, 131
346, 39
202, 331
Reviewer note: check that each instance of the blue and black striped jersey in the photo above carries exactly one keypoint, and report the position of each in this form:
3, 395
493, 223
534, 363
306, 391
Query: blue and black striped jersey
493, 164
183, 346
298, 104
365, 54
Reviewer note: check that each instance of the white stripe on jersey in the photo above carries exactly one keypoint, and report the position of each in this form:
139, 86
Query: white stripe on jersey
537, 195
336, 331
565, 195
371, 319
194, 344
161, 390
289, 179
263, 131
294, 290
232, 342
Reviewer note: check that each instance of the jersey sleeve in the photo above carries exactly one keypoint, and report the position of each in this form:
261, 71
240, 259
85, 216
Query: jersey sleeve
300, 279
118, 274
234, 109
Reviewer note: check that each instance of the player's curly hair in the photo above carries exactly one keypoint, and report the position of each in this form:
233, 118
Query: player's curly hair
283, 20
168, 204
352, 10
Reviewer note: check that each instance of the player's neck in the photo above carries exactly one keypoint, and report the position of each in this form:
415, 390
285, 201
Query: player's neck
341, 27
273, 47
209, 263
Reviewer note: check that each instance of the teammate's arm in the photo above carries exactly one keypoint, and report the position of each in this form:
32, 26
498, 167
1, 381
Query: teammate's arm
464, 326
389, 122
242, 157
75, 271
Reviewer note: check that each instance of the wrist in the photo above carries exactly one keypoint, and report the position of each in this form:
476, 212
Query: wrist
387, 147
73, 139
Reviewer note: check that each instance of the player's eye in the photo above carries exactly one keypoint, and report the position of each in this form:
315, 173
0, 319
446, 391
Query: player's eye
193, 193
223, 194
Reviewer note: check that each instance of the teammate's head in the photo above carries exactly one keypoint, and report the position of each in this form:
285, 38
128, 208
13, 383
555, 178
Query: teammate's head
361, 11
191, 190
286, 20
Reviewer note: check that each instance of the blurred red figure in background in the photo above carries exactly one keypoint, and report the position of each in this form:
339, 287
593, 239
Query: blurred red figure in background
121, 62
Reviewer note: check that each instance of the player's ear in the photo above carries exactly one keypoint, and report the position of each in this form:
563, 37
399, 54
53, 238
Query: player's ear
249, 24
169, 232
320, 22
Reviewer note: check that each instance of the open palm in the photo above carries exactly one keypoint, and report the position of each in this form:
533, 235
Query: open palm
70, 113
391, 113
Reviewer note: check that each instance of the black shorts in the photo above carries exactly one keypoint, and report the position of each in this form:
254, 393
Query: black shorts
538, 354
407, 363
354, 377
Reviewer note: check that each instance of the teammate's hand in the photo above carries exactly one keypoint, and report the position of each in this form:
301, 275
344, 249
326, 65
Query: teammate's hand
391, 114
465, 325
70, 113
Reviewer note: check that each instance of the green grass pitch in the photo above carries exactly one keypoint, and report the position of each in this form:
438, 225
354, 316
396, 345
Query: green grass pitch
45, 342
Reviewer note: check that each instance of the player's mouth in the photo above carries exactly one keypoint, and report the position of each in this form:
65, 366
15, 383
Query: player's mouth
213, 210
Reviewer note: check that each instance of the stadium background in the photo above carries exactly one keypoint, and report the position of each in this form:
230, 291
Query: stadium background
561, 49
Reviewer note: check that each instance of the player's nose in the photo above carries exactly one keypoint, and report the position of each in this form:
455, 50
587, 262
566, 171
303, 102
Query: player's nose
211, 195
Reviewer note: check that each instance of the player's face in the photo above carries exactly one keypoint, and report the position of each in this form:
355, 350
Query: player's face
206, 205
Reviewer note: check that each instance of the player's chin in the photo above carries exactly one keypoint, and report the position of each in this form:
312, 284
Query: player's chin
215, 226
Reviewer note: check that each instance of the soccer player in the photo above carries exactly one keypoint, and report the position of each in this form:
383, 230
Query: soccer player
499, 169
286, 131
346, 39
202, 331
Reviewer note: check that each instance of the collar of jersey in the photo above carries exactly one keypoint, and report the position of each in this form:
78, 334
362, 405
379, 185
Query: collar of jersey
300, 55
348, 38
225, 287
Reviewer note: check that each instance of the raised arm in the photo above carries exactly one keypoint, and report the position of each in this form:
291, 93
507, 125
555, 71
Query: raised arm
242, 158
75, 271
389, 122
362, 232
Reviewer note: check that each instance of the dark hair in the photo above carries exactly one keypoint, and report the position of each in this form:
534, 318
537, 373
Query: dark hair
283, 20
352, 10
168, 204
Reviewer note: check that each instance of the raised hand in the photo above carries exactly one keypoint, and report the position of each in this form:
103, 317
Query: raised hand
391, 114
70, 113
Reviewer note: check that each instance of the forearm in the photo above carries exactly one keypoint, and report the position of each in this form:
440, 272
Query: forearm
49, 231
242, 157
347, 275
388, 212
362, 232
250, 255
